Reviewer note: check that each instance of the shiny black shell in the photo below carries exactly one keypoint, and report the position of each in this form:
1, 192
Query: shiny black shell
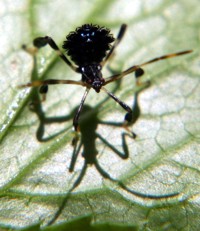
88, 44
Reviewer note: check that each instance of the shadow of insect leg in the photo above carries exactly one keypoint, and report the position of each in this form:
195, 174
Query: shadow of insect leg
69, 193
133, 192
75, 154
36, 107
125, 153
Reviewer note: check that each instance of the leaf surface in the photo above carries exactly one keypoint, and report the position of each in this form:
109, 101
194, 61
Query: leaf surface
163, 159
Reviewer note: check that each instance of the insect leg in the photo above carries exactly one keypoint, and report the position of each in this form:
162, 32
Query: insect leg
43, 91
44, 85
66, 198
129, 115
43, 41
117, 41
138, 68
133, 192
76, 117
40, 83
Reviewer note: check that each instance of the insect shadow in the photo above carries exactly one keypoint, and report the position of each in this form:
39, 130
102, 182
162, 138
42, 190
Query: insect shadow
89, 122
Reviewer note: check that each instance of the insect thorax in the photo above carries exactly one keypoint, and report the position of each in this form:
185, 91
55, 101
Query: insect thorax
91, 74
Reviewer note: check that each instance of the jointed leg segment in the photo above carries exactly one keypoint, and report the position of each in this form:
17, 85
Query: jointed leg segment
117, 41
138, 68
129, 115
43, 41
43, 91
39, 83
122, 104
77, 115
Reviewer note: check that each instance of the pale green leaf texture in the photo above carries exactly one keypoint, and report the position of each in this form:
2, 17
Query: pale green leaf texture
164, 158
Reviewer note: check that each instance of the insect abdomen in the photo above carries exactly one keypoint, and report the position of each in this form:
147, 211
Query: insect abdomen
88, 44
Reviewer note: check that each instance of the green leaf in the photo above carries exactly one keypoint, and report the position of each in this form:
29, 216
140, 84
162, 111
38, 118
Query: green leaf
164, 158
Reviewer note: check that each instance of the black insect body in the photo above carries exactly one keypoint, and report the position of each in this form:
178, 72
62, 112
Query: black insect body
88, 44
87, 47
90, 47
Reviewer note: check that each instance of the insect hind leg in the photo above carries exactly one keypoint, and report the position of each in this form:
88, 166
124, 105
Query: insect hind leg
43, 41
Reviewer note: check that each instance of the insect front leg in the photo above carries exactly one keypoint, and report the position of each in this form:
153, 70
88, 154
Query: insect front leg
128, 116
76, 118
